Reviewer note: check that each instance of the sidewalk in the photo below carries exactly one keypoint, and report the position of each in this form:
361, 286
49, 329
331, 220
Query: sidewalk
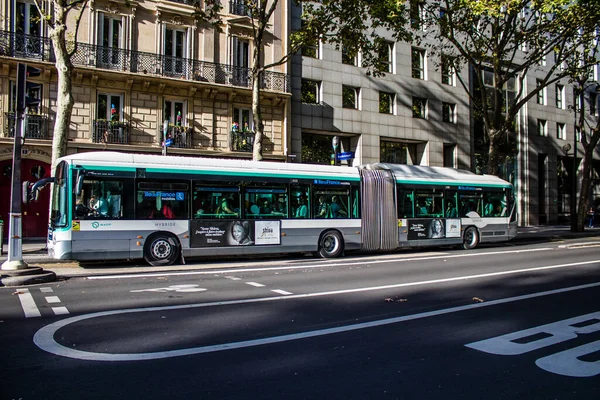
35, 254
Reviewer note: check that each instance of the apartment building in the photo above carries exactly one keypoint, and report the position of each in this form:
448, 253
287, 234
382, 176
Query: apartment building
141, 67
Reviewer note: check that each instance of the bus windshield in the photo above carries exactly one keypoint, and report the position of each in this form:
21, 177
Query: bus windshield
58, 212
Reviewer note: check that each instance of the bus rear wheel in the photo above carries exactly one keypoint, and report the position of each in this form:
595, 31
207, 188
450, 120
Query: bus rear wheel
331, 244
470, 238
161, 249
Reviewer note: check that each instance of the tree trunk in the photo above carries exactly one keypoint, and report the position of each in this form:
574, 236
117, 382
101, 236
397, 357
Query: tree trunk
586, 182
65, 101
259, 126
493, 154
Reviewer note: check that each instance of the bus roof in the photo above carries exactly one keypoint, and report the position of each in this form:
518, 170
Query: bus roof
403, 173
417, 174
178, 163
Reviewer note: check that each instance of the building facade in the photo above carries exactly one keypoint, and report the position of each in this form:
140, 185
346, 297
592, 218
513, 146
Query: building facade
145, 71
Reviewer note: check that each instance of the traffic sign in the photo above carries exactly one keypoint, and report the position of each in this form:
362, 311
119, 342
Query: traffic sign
346, 155
168, 142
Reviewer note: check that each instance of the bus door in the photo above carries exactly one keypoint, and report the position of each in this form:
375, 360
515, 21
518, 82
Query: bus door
379, 215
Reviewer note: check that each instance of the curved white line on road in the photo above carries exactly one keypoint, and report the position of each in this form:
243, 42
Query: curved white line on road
317, 264
44, 338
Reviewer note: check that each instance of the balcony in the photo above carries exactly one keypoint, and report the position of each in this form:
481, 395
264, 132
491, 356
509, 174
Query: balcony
242, 141
239, 7
35, 126
181, 136
113, 132
33, 47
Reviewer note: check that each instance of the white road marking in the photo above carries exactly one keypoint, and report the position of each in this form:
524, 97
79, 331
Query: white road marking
52, 299
28, 304
60, 310
567, 362
44, 338
172, 288
322, 264
283, 292
233, 278
46, 290
255, 284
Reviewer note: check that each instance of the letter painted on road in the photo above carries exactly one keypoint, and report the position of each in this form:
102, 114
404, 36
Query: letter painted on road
568, 362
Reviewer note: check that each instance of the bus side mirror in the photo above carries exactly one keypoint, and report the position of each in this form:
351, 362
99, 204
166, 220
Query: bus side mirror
79, 187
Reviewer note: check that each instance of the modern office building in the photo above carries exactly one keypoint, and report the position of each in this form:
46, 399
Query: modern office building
137, 65
418, 114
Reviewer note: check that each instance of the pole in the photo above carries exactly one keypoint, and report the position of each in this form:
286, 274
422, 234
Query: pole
15, 241
165, 130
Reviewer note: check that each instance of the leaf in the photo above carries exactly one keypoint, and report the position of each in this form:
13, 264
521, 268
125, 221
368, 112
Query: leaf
477, 299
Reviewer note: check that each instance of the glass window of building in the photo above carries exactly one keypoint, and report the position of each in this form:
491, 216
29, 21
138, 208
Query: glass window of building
418, 63
386, 103
449, 112
310, 92
419, 107
350, 97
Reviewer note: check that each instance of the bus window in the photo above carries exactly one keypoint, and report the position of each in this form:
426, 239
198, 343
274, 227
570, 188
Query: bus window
469, 202
405, 203
162, 200
266, 202
59, 208
103, 198
299, 202
428, 204
355, 203
331, 203
216, 201
450, 202
494, 204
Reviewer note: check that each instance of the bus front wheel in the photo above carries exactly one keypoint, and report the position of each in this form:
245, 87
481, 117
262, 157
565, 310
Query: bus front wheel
161, 249
331, 244
470, 238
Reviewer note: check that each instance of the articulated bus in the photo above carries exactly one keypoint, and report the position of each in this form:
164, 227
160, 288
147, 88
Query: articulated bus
107, 205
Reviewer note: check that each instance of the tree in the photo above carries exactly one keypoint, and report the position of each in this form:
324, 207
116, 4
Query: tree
584, 81
348, 23
502, 41
64, 43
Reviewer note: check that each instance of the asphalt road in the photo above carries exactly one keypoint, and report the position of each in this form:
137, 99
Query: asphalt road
496, 323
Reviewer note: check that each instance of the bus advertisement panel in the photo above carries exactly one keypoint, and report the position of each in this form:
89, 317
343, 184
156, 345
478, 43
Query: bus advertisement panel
215, 233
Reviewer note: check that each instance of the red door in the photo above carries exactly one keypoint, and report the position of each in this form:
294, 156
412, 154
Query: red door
35, 214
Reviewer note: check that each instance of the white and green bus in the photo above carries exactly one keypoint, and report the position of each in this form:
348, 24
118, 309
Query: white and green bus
108, 206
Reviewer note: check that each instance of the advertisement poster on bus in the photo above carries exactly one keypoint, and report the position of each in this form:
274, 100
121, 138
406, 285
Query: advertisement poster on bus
453, 228
216, 233
420, 229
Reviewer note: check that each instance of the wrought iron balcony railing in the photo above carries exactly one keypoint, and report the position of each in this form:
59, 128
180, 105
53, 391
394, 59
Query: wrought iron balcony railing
242, 141
239, 7
110, 132
181, 136
35, 126
33, 47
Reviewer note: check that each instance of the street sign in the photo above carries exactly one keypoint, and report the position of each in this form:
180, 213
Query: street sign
168, 142
346, 155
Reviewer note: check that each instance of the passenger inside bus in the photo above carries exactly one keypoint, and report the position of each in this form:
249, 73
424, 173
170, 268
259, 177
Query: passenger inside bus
166, 211
302, 210
336, 210
322, 207
451, 210
226, 207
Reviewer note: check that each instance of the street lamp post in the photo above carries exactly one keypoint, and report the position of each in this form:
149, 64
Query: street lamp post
577, 91
165, 130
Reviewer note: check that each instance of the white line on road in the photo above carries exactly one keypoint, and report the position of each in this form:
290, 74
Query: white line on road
28, 304
329, 264
52, 299
44, 338
60, 310
255, 284
46, 290
283, 292
233, 278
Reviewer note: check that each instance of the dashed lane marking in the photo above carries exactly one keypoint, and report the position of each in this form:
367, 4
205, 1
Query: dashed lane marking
255, 284
46, 290
233, 278
52, 299
60, 310
28, 304
283, 292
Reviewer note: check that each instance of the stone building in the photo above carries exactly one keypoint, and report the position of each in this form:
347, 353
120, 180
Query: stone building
139, 64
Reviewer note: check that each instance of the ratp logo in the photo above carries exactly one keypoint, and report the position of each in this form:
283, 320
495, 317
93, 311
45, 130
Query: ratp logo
95, 224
